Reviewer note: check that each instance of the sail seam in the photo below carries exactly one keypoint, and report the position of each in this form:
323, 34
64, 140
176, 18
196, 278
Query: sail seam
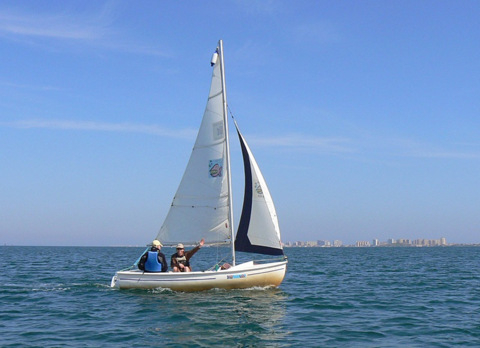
199, 206
209, 145
215, 95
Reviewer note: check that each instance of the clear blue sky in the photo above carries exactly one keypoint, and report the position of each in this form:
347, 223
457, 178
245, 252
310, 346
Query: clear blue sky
363, 115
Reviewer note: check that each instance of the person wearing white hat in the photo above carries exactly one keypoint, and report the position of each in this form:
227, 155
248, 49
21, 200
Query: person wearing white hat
153, 260
180, 261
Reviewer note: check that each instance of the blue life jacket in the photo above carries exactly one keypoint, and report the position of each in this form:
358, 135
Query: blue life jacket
152, 264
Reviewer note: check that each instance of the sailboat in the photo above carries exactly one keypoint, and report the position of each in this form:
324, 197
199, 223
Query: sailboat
203, 208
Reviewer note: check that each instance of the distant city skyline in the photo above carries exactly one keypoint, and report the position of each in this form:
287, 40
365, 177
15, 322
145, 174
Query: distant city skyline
374, 243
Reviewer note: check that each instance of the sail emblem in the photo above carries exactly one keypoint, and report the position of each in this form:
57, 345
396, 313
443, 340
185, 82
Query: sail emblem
258, 188
215, 167
218, 133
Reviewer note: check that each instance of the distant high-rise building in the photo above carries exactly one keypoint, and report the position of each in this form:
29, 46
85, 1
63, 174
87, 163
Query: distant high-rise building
404, 241
420, 242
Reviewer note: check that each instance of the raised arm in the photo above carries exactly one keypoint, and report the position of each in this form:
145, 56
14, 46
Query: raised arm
189, 254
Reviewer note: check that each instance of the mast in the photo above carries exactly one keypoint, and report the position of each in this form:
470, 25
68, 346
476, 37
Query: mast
227, 147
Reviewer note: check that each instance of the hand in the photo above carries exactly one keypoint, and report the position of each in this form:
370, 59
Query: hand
202, 242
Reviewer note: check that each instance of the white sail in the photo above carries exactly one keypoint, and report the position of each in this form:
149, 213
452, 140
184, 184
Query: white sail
200, 208
258, 230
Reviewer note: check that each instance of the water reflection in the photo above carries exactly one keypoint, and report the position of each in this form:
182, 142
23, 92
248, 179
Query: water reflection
214, 317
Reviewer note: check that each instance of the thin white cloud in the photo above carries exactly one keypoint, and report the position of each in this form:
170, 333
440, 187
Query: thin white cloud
96, 29
446, 154
57, 26
411, 148
307, 142
101, 126
361, 149
295, 141
367, 147
30, 87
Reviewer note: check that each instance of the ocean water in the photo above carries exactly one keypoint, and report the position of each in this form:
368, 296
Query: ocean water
331, 297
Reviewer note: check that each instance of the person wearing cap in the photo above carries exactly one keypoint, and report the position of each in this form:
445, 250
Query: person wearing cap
180, 261
153, 260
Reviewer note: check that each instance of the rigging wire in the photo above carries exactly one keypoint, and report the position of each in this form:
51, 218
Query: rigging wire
231, 113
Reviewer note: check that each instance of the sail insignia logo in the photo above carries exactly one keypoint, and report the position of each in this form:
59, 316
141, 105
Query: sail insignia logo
215, 168
217, 130
258, 188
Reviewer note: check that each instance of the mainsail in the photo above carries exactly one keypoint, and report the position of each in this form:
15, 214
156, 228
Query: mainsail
200, 208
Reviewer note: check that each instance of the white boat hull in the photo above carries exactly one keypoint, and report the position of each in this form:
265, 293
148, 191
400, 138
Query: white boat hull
245, 275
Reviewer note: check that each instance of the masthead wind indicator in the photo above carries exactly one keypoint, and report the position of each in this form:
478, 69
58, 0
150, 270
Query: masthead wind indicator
213, 61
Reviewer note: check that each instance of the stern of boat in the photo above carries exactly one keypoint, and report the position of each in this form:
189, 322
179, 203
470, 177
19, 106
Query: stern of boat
113, 283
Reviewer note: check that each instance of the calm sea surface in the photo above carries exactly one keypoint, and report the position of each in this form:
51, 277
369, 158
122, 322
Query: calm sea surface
331, 297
